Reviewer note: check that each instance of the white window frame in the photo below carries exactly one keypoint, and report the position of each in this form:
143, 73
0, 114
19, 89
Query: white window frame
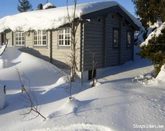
40, 37
64, 37
19, 38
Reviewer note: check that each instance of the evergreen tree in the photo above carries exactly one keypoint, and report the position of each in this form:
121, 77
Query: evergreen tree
155, 51
24, 5
150, 10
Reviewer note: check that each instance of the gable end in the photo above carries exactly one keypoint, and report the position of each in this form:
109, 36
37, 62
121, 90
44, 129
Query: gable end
114, 9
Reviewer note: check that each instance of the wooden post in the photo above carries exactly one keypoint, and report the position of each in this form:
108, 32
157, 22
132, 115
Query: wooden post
4, 89
81, 51
51, 47
12, 38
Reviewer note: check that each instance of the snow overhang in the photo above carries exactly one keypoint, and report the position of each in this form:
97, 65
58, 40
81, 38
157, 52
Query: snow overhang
54, 18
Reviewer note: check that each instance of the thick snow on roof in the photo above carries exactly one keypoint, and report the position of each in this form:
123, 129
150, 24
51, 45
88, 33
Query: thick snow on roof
53, 18
47, 5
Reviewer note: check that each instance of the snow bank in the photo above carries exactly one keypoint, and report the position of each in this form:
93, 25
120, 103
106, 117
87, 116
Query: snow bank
118, 104
62, 80
34, 72
54, 18
78, 127
69, 107
149, 80
155, 33
2, 98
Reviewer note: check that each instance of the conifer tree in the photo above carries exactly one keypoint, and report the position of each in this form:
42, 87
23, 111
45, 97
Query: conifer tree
150, 10
155, 51
24, 5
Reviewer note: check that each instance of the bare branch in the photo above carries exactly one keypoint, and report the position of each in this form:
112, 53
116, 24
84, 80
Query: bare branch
32, 105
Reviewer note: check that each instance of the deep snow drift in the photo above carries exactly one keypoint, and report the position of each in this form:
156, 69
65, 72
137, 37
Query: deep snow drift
118, 103
34, 72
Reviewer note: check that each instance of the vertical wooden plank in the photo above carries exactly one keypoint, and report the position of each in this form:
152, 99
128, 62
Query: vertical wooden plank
51, 47
104, 42
12, 38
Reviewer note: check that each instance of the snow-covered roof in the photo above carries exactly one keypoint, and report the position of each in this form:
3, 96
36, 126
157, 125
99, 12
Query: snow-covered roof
47, 5
54, 18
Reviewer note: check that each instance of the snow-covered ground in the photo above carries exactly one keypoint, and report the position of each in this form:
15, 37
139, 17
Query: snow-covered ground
119, 103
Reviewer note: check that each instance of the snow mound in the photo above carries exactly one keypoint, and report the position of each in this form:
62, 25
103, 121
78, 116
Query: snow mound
155, 33
2, 98
62, 80
56, 17
148, 79
69, 107
78, 127
143, 78
34, 72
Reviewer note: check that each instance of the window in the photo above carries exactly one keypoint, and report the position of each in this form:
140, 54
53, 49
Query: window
40, 38
19, 38
129, 38
115, 37
64, 37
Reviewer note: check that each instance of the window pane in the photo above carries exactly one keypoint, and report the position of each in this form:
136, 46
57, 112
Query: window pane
67, 30
19, 38
116, 37
64, 36
40, 38
44, 42
129, 38
44, 37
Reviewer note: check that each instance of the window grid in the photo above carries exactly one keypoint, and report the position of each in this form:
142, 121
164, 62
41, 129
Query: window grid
64, 37
40, 38
19, 38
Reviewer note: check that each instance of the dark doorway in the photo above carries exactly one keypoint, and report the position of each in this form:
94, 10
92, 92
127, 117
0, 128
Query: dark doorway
2, 38
91, 74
